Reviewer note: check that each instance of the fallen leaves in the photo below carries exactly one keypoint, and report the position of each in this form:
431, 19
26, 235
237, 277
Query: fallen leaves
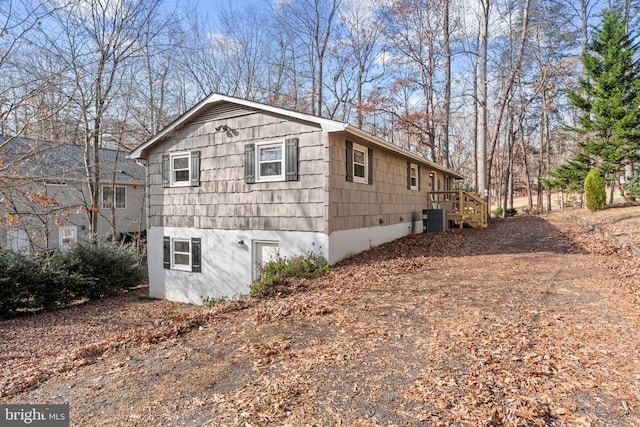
531, 322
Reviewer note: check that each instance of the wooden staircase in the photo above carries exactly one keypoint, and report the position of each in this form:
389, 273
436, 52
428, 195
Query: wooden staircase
461, 207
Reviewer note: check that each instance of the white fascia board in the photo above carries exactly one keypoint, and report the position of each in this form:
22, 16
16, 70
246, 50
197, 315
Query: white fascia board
394, 148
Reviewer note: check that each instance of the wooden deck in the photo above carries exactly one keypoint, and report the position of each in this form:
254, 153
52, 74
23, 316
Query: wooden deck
461, 207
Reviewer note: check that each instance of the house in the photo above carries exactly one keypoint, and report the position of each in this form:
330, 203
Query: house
45, 196
233, 183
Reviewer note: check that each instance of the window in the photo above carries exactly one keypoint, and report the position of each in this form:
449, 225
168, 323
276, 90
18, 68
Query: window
120, 197
182, 253
18, 240
413, 176
67, 236
271, 161
359, 163
181, 169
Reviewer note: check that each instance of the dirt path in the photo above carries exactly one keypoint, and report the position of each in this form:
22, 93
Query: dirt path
530, 322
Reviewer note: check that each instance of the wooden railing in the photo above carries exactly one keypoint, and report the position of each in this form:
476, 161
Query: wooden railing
461, 207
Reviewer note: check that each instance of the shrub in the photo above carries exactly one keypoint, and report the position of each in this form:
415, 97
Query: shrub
275, 271
632, 187
497, 212
108, 268
88, 270
512, 212
594, 191
16, 272
213, 301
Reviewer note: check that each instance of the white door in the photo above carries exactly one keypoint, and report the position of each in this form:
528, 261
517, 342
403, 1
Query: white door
264, 252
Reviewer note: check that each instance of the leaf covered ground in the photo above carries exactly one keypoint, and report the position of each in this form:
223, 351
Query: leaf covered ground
531, 322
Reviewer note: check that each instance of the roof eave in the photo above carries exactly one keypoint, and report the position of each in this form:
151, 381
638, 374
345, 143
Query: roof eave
326, 125
394, 148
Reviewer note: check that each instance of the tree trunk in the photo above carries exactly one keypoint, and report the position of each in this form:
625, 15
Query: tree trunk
527, 173
483, 130
447, 87
507, 88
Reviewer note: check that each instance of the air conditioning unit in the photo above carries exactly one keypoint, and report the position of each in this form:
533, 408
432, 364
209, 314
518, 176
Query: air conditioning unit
434, 220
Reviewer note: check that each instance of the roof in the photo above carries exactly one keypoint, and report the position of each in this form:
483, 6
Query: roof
38, 159
327, 125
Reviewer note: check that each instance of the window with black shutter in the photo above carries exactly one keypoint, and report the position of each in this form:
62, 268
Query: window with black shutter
181, 169
359, 163
271, 161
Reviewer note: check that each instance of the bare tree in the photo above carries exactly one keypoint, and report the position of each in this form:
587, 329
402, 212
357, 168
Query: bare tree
413, 30
312, 22
483, 127
506, 91
102, 38
358, 57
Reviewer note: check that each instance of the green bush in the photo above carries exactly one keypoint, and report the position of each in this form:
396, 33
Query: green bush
632, 187
109, 268
497, 212
512, 212
275, 271
88, 270
16, 272
595, 193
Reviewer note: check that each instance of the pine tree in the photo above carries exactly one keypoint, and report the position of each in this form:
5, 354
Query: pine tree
609, 98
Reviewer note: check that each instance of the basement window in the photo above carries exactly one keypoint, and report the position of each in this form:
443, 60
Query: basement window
182, 253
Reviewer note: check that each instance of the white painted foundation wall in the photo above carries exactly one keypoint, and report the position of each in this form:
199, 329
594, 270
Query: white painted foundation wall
228, 258
343, 244
227, 261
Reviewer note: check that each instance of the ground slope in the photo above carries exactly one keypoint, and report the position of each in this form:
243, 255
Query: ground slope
533, 321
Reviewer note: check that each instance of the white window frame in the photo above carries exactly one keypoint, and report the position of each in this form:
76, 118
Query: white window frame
18, 240
172, 170
258, 171
413, 176
106, 201
67, 235
365, 153
180, 266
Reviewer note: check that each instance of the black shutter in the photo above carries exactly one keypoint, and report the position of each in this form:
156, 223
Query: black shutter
166, 170
195, 168
166, 252
408, 175
291, 159
196, 266
418, 177
370, 166
250, 163
349, 155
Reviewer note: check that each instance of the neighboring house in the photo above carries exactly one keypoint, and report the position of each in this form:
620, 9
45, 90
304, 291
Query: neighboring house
44, 195
233, 183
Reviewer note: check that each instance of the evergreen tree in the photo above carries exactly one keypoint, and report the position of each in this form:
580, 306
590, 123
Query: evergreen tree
594, 192
570, 176
609, 98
